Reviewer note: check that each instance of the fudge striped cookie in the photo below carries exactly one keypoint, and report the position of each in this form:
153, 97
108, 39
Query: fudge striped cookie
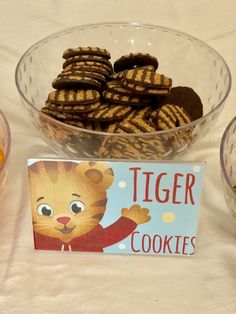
96, 51
76, 81
108, 112
73, 108
143, 90
146, 78
91, 58
135, 60
89, 66
73, 72
171, 116
126, 99
73, 97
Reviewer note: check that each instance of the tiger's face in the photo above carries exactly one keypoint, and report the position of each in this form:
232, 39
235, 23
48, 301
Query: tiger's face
68, 199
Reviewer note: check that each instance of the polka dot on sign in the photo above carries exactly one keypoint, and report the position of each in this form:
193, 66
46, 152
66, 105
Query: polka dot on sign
122, 246
122, 184
168, 217
196, 168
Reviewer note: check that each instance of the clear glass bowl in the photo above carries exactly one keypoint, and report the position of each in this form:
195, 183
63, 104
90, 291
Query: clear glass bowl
5, 145
187, 60
228, 166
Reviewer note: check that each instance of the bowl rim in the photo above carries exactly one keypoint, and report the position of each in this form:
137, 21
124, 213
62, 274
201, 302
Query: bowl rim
122, 23
222, 149
7, 153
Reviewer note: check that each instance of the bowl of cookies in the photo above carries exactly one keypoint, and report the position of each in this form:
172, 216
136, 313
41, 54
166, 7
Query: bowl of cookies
122, 90
5, 145
228, 168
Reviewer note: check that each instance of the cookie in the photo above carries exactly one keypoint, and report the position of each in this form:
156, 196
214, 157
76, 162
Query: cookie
116, 87
126, 99
146, 78
73, 97
91, 58
96, 51
73, 108
73, 72
186, 98
171, 116
135, 60
141, 90
53, 114
76, 81
119, 75
108, 112
119, 149
137, 125
142, 113
89, 67
138, 147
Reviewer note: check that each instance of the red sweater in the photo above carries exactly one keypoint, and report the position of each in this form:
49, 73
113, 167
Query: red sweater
93, 241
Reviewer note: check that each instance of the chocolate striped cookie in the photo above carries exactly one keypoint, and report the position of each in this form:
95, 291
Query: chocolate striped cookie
89, 66
116, 87
137, 125
143, 90
171, 116
146, 78
53, 114
73, 97
96, 51
119, 75
76, 81
137, 147
135, 60
132, 100
73, 108
142, 113
91, 58
108, 112
64, 116
73, 72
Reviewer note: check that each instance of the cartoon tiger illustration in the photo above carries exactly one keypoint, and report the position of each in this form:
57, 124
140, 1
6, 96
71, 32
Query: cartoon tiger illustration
68, 202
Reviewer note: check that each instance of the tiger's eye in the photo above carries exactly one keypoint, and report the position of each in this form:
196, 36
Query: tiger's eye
77, 207
45, 210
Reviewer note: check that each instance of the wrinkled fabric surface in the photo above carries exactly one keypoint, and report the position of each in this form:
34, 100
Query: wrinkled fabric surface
37, 282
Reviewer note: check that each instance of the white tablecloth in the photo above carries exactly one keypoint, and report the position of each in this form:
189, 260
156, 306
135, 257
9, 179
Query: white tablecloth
52, 282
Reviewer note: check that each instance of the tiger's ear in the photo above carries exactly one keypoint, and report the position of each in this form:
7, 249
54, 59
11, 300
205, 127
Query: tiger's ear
98, 173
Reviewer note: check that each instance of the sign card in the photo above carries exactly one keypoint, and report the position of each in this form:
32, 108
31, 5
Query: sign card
122, 207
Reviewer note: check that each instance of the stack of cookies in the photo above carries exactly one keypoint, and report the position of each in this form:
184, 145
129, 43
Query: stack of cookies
127, 97
79, 86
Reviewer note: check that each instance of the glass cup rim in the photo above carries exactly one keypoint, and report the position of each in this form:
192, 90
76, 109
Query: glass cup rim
126, 23
222, 148
6, 155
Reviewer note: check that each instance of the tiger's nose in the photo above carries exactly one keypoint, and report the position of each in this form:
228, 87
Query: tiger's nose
63, 220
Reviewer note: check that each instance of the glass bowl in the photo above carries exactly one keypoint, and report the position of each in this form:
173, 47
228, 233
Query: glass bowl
187, 60
228, 166
5, 145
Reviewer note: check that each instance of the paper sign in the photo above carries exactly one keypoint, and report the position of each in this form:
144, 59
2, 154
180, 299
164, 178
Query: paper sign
148, 208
